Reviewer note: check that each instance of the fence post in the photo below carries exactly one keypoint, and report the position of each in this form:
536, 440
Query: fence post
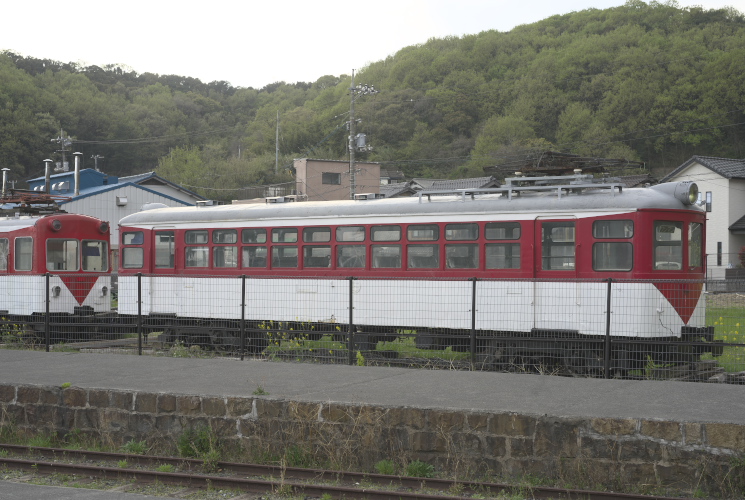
350, 340
606, 357
243, 316
139, 314
473, 323
46, 315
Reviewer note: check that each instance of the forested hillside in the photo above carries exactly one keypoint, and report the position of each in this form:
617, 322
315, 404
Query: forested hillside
646, 82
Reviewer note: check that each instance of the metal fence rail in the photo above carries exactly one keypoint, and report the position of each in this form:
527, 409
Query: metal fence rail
683, 330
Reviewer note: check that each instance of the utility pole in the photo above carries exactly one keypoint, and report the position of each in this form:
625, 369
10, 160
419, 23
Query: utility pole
95, 161
63, 142
276, 147
355, 93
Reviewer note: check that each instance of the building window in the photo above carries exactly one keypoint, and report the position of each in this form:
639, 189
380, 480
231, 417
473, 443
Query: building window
331, 178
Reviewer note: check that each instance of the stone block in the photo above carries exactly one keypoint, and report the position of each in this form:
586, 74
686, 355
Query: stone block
214, 407
189, 405
614, 426
726, 436
146, 402
26, 394
166, 403
223, 427
445, 420
511, 424
693, 433
668, 431
269, 408
7, 393
114, 420
98, 398
555, 437
50, 396
86, 418
414, 418
74, 397
169, 425
122, 400
639, 451
238, 407
520, 447
477, 421
304, 411
603, 448
676, 476
496, 447
422, 441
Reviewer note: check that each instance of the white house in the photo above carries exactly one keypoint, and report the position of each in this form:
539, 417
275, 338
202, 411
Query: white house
722, 181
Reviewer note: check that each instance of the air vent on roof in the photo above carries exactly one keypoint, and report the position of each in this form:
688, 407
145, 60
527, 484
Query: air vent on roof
368, 196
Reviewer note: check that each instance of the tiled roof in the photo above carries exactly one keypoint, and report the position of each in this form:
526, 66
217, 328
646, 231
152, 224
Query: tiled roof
739, 225
637, 180
396, 189
726, 167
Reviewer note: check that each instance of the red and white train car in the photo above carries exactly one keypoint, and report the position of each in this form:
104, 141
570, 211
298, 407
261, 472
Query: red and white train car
73, 249
538, 246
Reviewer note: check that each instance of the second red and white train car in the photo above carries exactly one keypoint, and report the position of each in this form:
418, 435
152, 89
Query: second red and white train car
538, 250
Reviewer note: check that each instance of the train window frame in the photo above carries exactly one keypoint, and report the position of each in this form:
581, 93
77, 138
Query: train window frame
412, 229
133, 238
609, 248
310, 234
102, 253
222, 258
611, 234
196, 237
386, 256
510, 258
462, 231
24, 255
281, 234
247, 259
349, 234
133, 257
515, 227
472, 257
567, 261
280, 260
357, 258
695, 245
385, 233
70, 256
197, 257
659, 262
317, 261
164, 255
433, 258
253, 235
4, 253
222, 236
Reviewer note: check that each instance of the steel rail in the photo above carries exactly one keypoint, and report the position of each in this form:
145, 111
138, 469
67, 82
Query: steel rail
396, 484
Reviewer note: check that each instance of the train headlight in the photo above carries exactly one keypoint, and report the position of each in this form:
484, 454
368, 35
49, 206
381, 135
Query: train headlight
55, 225
104, 227
687, 192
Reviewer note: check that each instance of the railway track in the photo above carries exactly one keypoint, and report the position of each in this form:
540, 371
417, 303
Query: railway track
272, 479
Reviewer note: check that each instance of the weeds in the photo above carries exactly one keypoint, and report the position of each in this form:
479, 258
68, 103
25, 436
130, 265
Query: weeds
386, 467
133, 447
418, 468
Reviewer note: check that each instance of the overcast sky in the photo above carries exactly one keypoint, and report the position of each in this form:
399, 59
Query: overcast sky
251, 43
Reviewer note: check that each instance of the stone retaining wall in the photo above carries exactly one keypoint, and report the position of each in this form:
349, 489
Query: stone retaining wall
590, 452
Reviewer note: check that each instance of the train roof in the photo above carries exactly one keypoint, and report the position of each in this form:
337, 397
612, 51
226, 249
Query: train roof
477, 202
9, 223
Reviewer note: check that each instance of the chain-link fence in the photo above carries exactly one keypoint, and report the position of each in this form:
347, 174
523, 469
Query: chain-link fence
684, 330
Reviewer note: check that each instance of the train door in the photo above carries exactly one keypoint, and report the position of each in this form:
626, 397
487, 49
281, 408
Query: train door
163, 255
556, 295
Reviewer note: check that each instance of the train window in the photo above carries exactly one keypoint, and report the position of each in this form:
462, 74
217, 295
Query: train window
385, 233
133, 257
316, 255
254, 257
612, 256
695, 245
284, 235
165, 251
502, 231
284, 256
350, 233
386, 256
423, 256
461, 232
134, 238
24, 252
197, 256
4, 250
316, 234
613, 229
350, 256
464, 256
253, 236
225, 236
503, 255
62, 255
199, 237
423, 232
668, 245
558, 246
225, 256
95, 255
